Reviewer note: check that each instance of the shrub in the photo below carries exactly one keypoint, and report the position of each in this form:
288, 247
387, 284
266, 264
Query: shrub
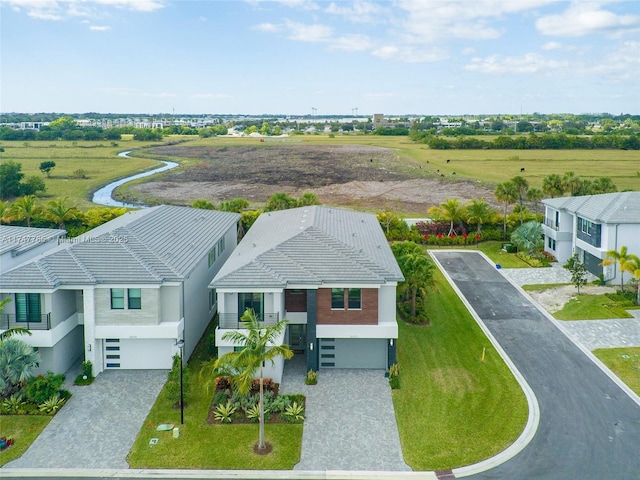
79, 173
394, 376
312, 378
224, 412
221, 397
294, 413
51, 405
42, 388
279, 404
14, 405
223, 383
87, 369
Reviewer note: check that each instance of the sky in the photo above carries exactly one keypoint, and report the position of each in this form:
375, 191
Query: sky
303, 57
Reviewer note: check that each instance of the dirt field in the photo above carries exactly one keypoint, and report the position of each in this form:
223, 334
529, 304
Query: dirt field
356, 176
555, 298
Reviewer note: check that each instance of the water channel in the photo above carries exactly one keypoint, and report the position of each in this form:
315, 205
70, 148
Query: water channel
104, 196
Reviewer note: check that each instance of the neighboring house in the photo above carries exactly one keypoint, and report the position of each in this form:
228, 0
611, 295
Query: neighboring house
591, 225
329, 272
19, 244
122, 294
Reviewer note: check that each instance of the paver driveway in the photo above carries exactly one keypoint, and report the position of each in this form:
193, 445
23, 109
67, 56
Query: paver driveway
99, 423
350, 423
589, 428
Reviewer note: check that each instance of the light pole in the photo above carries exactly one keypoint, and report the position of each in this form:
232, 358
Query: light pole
180, 344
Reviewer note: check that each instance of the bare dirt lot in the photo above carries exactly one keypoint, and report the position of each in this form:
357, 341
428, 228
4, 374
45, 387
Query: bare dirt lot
553, 299
357, 176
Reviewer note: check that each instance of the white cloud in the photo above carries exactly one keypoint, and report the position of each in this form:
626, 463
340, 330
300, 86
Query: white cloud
60, 9
299, 4
99, 28
619, 65
266, 27
528, 63
582, 19
469, 51
409, 54
358, 12
351, 43
550, 46
309, 33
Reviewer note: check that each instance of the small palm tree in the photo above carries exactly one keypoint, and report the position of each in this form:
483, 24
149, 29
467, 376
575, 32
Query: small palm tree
59, 212
553, 186
632, 265
17, 362
26, 208
528, 236
534, 195
620, 258
5, 212
259, 344
479, 212
506, 193
307, 199
280, 201
572, 183
451, 209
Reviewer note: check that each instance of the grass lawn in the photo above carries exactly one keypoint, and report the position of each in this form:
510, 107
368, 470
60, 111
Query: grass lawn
452, 408
210, 447
624, 362
538, 287
24, 429
493, 250
591, 307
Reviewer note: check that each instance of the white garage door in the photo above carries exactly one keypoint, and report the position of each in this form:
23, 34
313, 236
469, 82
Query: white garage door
353, 353
138, 354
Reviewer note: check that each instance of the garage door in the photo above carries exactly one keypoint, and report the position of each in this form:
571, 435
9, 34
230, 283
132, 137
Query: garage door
353, 353
138, 354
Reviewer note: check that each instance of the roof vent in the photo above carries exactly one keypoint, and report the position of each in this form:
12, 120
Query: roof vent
254, 244
353, 234
379, 246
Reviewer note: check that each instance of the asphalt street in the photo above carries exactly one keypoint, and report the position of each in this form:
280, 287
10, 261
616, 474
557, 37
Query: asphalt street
589, 428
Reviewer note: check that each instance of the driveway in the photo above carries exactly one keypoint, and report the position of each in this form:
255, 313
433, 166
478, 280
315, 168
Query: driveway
589, 427
350, 423
99, 423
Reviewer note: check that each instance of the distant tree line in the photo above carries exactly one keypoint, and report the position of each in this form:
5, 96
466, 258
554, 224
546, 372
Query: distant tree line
549, 141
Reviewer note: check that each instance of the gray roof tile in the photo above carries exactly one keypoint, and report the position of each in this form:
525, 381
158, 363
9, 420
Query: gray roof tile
619, 207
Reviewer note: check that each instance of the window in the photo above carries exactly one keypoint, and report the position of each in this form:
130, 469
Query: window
212, 298
117, 299
254, 301
337, 298
221, 246
212, 256
134, 300
355, 298
28, 308
551, 243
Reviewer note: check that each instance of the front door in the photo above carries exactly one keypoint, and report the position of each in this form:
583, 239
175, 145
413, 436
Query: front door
297, 337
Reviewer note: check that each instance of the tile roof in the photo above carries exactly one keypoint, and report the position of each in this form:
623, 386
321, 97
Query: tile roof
163, 243
310, 245
20, 239
619, 207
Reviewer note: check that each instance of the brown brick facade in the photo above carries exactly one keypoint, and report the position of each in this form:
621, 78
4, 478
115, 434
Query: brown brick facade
295, 300
368, 315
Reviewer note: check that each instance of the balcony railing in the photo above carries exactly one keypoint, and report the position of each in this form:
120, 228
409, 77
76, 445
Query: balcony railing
232, 320
551, 224
30, 322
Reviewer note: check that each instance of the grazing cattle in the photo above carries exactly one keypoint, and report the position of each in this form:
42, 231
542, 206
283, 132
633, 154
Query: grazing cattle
448, 161
427, 161
442, 174
522, 170
438, 170
453, 173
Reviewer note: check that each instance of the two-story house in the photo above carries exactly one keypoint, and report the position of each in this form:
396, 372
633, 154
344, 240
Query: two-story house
19, 244
329, 272
590, 226
124, 293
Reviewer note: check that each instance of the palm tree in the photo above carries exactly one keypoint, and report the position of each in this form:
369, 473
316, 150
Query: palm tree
506, 194
632, 265
572, 183
528, 236
260, 346
620, 258
553, 186
534, 195
451, 209
59, 212
280, 201
203, 204
17, 361
417, 269
5, 212
522, 187
307, 199
479, 212
26, 208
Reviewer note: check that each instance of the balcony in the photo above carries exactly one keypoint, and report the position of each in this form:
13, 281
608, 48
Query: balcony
30, 322
231, 321
549, 222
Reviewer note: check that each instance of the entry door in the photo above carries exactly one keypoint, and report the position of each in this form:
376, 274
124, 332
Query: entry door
297, 336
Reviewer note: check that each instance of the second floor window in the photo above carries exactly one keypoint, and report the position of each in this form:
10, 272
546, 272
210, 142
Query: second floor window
134, 299
117, 299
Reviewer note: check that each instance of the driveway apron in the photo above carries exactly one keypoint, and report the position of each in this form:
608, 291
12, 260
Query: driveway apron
99, 423
589, 427
350, 423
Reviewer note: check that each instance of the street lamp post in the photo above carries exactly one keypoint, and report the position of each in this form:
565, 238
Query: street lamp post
180, 344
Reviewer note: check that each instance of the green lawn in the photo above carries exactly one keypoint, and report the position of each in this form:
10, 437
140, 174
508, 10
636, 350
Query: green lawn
624, 362
452, 408
24, 429
538, 287
210, 447
493, 250
591, 307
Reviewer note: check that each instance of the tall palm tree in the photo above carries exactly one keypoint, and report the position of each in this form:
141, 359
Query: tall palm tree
553, 186
26, 208
632, 265
620, 258
308, 198
280, 201
522, 187
506, 194
572, 183
534, 195
479, 212
59, 212
451, 209
259, 344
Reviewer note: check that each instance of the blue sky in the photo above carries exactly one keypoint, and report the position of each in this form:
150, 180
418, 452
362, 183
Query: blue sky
287, 57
